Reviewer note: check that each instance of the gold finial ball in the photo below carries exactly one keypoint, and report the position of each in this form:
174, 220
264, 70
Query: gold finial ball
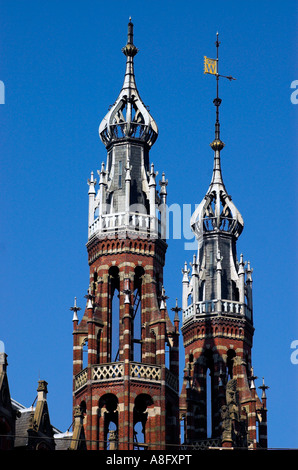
217, 144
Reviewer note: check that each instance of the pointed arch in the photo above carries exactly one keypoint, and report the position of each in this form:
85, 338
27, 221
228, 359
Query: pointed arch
140, 417
108, 418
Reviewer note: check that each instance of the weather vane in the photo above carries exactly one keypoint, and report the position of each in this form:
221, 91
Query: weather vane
211, 67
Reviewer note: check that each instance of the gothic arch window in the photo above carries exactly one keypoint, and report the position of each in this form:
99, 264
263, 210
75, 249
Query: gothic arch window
182, 429
84, 353
108, 418
167, 353
209, 391
114, 313
137, 315
140, 417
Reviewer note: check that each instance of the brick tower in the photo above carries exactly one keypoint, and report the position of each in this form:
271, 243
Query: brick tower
219, 403
129, 397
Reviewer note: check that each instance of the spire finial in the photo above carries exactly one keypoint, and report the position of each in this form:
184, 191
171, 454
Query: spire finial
136, 121
130, 49
75, 310
211, 67
163, 298
252, 379
126, 291
90, 298
176, 309
263, 387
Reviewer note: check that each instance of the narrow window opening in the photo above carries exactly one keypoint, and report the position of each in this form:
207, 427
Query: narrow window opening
85, 353
115, 326
167, 354
137, 332
258, 430
235, 292
140, 416
209, 403
108, 411
114, 313
182, 430
211, 261
209, 392
230, 363
120, 174
137, 316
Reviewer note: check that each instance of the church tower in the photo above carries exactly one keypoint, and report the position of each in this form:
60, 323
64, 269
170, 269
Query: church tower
219, 403
127, 387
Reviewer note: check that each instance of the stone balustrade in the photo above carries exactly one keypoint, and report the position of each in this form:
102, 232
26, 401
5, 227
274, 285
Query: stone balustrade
115, 371
215, 306
122, 220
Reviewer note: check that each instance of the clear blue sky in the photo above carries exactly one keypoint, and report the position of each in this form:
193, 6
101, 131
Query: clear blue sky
62, 67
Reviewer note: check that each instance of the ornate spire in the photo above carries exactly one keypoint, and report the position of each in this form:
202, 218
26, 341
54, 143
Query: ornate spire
128, 117
217, 211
